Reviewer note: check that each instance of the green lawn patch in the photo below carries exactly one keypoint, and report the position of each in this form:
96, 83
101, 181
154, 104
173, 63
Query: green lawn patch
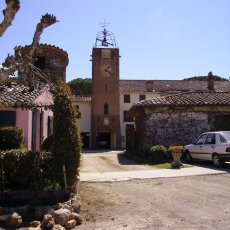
168, 166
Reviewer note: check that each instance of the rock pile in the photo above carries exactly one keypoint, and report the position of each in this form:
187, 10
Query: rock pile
57, 217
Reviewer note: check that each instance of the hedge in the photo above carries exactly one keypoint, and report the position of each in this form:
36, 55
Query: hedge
25, 169
11, 138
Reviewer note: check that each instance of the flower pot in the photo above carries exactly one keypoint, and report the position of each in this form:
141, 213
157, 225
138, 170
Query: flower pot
176, 159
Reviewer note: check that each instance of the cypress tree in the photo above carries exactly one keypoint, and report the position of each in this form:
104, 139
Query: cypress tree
66, 147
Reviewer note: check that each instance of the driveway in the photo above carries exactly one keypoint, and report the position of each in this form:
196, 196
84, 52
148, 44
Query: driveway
109, 161
114, 166
189, 198
191, 203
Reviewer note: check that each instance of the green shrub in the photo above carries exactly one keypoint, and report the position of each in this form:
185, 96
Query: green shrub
25, 169
47, 143
66, 147
158, 153
11, 138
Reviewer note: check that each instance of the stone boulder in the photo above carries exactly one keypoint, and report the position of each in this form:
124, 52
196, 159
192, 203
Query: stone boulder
77, 217
35, 223
47, 218
14, 221
58, 227
71, 224
61, 216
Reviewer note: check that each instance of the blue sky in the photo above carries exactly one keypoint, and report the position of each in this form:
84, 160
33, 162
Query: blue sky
158, 39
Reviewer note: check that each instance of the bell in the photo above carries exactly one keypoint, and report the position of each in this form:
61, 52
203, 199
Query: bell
104, 42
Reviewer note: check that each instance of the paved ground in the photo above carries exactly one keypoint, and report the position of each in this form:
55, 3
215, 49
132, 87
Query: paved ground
195, 198
113, 166
109, 161
181, 203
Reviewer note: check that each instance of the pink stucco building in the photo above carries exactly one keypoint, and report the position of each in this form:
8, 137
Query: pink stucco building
29, 109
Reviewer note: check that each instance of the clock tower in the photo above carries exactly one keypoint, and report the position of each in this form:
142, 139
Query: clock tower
105, 110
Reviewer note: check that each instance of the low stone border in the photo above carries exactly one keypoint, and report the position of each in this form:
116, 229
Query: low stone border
50, 215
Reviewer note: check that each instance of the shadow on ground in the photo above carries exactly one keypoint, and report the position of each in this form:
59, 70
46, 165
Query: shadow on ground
209, 165
123, 160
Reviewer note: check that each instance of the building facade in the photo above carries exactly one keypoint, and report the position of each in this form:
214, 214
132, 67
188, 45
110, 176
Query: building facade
105, 120
29, 109
179, 118
28, 106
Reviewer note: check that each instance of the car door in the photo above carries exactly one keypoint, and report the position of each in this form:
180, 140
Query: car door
198, 147
209, 146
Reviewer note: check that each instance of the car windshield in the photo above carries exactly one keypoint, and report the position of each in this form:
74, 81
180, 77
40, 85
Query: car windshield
226, 135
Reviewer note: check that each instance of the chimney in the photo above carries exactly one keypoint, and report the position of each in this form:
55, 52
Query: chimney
210, 80
149, 85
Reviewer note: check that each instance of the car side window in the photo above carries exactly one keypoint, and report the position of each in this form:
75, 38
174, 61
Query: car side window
222, 139
211, 139
201, 139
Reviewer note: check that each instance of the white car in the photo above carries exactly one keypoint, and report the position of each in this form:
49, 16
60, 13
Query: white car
212, 146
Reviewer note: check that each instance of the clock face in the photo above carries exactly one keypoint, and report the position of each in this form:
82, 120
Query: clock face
107, 69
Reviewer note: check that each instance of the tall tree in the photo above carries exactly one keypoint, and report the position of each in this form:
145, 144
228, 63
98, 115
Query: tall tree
81, 87
9, 14
67, 141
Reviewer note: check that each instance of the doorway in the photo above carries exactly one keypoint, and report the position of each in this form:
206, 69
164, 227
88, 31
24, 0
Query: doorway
104, 140
222, 123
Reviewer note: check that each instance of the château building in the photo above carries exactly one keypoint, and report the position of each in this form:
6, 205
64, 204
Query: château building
105, 115
105, 121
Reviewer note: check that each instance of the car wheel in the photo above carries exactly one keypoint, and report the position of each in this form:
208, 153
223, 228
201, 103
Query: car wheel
217, 161
187, 156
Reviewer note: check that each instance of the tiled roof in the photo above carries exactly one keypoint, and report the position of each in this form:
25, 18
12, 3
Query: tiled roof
135, 86
82, 98
13, 94
188, 99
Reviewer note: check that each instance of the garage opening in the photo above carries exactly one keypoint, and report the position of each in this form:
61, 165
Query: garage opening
222, 123
104, 140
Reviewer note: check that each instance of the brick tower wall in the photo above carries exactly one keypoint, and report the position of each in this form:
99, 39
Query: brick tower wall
105, 90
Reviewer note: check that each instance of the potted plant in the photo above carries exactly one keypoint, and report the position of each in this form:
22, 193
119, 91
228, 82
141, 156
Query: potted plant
176, 154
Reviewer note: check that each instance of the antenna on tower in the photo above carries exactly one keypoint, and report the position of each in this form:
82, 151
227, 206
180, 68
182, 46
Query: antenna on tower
105, 38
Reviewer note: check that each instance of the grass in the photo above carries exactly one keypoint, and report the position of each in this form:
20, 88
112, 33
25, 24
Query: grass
146, 161
168, 166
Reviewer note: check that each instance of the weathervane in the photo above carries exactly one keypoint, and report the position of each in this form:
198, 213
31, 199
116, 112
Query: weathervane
105, 38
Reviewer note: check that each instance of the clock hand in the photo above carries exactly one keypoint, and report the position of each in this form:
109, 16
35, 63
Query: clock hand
107, 69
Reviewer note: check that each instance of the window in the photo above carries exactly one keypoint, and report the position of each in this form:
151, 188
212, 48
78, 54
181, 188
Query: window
142, 97
7, 118
211, 139
106, 109
40, 62
201, 139
126, 117
126, 98
222, 139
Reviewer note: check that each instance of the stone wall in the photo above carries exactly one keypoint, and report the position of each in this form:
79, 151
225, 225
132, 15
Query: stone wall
55, 60
175, 128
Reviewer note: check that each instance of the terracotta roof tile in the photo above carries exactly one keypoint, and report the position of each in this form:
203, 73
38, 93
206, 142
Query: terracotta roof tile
133, 86
188, 99
82, 98
12, 94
